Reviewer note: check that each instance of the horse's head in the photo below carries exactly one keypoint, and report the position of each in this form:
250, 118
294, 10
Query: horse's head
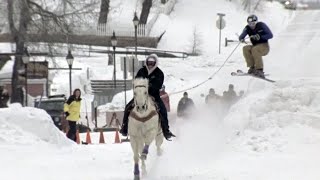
140, 90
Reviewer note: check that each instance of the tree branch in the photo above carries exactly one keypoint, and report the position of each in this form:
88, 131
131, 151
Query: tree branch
13, 29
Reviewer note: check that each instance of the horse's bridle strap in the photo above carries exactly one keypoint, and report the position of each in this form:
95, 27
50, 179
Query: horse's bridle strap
143, 119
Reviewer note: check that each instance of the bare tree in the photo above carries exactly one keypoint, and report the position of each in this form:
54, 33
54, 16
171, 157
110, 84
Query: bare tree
146, 6
104, 11
196, 42
25, 16
19, 33
251, 5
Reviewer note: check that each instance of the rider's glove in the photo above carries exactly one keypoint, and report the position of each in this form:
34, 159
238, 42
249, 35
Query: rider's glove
255, 37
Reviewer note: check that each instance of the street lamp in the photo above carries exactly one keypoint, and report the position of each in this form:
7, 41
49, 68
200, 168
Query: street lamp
135, 23
70, 59
114, 42
26, 59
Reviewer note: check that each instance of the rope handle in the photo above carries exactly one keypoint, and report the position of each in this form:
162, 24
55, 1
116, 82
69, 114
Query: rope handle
210, 77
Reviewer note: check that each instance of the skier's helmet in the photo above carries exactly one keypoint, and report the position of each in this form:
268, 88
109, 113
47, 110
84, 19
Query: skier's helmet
252, 19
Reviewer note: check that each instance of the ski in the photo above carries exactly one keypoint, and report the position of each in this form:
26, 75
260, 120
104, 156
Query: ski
241, 73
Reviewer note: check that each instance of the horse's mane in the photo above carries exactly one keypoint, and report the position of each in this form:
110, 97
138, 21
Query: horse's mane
141, 82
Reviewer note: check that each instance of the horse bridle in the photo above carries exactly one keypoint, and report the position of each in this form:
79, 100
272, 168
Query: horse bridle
145, 106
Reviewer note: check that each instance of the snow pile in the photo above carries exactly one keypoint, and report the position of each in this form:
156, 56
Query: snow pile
279, 118
118, 102
21, 125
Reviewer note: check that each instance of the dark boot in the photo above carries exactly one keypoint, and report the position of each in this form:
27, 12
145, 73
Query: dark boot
124, 128
164, 120
259, 73
251, 70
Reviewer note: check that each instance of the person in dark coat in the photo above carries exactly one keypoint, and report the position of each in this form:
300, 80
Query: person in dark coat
259, 34
185, 105
153, 73
231, 94
4, 97
212, 97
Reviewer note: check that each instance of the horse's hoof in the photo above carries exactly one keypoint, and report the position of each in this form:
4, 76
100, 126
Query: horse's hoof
159, 152
143, 156
136, 177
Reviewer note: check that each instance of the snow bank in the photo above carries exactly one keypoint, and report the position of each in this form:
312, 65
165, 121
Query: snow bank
27, 126
277, 118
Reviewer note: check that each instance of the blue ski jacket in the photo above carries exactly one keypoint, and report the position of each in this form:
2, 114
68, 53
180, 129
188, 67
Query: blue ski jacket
262, 29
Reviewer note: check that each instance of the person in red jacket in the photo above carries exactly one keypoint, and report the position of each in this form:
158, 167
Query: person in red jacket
165, 97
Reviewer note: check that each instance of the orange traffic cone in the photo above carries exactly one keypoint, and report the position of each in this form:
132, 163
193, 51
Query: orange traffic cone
78, 137
101, 139
88, 138
117, 138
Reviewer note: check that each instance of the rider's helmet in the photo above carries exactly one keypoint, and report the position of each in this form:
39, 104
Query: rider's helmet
252, 20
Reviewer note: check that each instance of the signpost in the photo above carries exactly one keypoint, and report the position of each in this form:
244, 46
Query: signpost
221, 24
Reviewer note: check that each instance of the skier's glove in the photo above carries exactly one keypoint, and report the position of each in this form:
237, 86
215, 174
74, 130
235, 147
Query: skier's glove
241, 40
67, 114
255, 37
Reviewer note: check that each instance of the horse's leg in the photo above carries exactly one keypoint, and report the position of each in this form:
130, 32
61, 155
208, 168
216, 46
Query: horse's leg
143, 155
145, 152
159, 141
135, 148
143, 167
147, 139
136, 172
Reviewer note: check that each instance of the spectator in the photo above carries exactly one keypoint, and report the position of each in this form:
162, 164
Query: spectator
231, 95
4, 97
185, 105
72, 112
212, 97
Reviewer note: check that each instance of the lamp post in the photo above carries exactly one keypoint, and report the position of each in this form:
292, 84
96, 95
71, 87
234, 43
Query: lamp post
70, 59
26, 59
135, 23
114, 42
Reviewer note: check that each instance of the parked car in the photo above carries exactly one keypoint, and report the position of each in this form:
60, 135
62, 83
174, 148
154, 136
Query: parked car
53, 105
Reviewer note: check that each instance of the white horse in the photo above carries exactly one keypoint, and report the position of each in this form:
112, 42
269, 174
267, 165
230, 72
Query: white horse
144, 125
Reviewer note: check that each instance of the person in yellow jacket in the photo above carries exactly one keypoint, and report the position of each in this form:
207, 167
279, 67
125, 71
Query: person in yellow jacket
72, 112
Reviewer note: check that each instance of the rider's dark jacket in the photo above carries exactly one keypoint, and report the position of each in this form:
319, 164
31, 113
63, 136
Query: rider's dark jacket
155, 76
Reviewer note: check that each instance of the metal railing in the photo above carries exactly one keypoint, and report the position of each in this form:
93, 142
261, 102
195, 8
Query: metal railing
121, 30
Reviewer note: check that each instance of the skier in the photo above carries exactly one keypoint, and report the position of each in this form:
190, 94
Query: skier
259, 34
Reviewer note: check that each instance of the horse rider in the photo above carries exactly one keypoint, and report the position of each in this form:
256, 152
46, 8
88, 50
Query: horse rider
153, 73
